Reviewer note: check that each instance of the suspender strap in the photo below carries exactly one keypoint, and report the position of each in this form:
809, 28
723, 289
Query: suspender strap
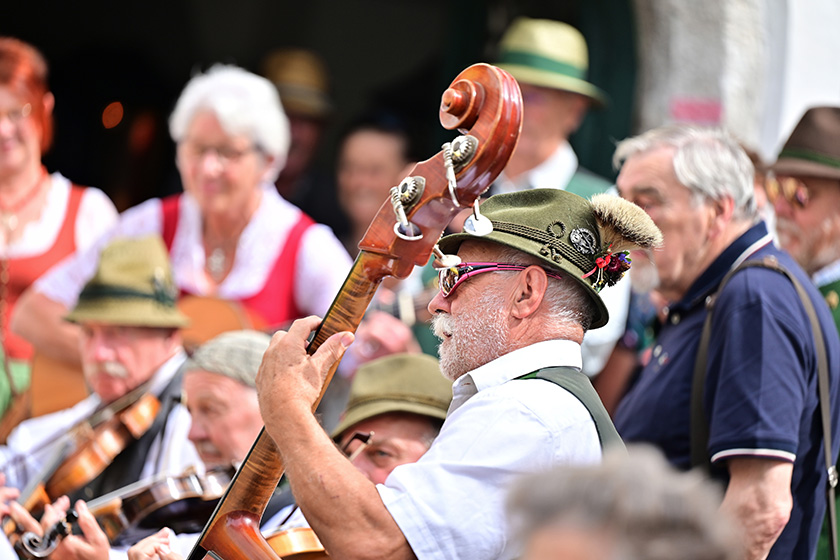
579, 385
699, 422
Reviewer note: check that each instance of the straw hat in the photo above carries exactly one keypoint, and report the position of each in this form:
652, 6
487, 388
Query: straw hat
300, 77
397, 383
549, 54
132, 287
586, 239
813, 149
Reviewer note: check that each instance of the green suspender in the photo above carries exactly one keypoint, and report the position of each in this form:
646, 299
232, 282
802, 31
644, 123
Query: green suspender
699, 422
579, 385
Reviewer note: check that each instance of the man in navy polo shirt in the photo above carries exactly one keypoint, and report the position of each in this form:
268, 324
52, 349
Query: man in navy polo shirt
765, 437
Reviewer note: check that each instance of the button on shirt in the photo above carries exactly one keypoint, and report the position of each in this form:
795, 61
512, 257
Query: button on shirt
451, 503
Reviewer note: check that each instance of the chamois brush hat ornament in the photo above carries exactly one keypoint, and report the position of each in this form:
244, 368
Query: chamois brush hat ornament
589, 240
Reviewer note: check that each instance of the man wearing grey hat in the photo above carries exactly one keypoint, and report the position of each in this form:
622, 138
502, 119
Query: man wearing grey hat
219, 392
511, 315
130, 348
397, 405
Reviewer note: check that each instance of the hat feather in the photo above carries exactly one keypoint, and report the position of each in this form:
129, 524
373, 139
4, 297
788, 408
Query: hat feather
624, 225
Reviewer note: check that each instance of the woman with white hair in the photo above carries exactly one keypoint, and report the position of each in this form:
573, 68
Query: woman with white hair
229, 234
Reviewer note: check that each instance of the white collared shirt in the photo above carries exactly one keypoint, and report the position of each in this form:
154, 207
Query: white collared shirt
451, 503
553, 173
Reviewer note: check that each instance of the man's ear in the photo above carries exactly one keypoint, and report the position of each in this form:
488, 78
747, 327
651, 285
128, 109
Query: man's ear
530, 288
720, 215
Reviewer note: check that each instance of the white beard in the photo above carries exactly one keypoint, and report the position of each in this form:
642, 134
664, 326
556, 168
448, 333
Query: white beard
644, 277
473, 338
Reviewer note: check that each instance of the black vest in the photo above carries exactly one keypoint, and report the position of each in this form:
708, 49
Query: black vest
125, 469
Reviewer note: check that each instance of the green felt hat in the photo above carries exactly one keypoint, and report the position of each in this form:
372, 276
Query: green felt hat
583, 238
132, 287
397, 383
813, 149
549, 54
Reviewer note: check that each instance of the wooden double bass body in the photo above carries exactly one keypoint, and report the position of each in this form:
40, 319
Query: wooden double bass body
485, 105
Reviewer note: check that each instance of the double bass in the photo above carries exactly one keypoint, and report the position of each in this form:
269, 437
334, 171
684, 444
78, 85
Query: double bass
484, 104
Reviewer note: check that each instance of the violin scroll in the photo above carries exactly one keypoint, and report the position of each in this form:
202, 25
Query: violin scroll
31, 545
460, 104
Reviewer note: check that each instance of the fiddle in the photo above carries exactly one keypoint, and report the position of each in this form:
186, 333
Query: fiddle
87, 450
182, 503
485, 105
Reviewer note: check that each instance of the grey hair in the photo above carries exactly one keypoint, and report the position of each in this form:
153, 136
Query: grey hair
244, 103
567, 301
646, 508
708, 161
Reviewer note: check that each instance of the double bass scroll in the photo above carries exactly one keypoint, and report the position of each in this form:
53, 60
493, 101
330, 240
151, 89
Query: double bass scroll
485, 105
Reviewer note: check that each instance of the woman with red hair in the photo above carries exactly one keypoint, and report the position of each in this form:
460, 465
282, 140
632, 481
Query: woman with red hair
43, 217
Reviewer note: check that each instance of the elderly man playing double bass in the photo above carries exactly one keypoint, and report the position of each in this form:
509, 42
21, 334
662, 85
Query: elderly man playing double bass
510, 340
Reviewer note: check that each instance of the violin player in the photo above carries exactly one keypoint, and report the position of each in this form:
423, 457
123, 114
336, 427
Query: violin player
130, 345
220, 394
400, 401
510, 341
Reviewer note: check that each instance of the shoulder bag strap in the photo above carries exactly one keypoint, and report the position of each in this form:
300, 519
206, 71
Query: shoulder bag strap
699, 422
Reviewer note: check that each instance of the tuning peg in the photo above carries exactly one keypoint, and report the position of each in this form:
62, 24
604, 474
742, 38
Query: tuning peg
403, 196
442, 260
477, 224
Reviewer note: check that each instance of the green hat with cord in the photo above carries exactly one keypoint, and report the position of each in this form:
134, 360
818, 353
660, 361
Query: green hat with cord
132, 287
550, 54
396, 383
586, 239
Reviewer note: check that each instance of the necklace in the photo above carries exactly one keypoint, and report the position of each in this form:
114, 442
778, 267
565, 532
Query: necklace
9, 213
216, 264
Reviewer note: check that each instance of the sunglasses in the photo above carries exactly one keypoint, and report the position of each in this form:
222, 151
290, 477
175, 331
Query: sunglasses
794, 191
450, 277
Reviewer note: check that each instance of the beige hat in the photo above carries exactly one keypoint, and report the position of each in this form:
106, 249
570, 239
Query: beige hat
550, 54
132, 287
234, 354
397, 383
300, 77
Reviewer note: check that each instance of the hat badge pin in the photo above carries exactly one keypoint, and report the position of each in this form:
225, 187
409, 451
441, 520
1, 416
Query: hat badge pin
583, 241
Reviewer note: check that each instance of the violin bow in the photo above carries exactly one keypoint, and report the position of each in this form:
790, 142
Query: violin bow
484, 104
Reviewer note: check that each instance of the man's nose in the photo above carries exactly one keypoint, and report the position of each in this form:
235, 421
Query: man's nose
197, 432
782, 207
439, 304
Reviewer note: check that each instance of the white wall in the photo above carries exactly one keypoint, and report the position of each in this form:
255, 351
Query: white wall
803, 65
